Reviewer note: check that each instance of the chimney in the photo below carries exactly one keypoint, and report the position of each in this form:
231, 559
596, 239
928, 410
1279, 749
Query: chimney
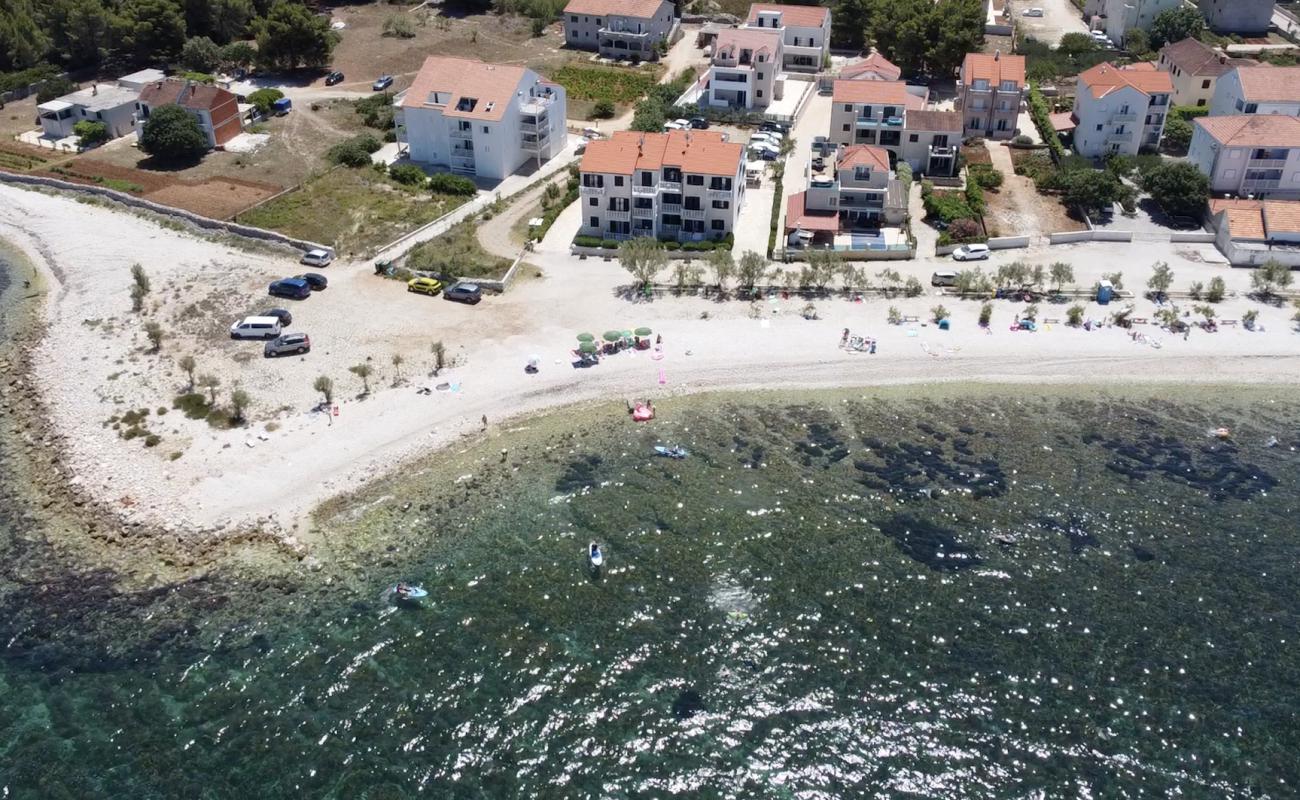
997, 54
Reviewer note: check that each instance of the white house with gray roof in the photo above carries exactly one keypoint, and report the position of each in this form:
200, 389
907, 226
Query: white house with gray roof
101, 102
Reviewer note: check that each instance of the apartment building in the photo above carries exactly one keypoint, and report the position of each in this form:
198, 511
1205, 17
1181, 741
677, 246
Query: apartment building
1120, 109
1118, 17
1195, 68
990, 91
805, 33
744, 70
893, 115
1247, 17
215, 109
1248, 155
682, 185
631, 29
1257, 90
861, 193
480, 119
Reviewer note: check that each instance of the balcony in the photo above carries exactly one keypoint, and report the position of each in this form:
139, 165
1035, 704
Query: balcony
670, 230
649, 211
535, 143
719, 194
880, 122
625, 35
1266, 163
618, 214
537, 126
591, 191
1257, 187
1126, 136
937, 151
671, 208
644, 191
1117, 119
462, 133
670, 186
536, 105
693, 213
730, 77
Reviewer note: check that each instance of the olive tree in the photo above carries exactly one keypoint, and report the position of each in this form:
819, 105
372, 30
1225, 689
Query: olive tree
643, 258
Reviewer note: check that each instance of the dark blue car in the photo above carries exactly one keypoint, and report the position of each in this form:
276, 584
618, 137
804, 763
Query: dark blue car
294, 288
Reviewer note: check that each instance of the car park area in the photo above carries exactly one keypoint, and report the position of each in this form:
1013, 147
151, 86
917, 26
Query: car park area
1058, 18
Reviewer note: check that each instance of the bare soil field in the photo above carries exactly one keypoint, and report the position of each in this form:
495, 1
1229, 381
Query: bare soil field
220, 198
364, 52
1017, 208
17, 117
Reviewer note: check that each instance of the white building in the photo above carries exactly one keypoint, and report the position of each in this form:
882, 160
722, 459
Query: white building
1250, 232
894, 116
632, 29
990, 91
1118, 17
861, 193
112, 105
744, 70
1248, 155
1120, 109
480, 119
1257, 90
805, 33
1249, 17
682, 185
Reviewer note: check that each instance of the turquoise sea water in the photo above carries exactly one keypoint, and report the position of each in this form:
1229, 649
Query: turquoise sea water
986, 593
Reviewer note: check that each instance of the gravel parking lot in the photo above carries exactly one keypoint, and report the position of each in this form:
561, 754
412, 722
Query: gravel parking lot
1059, 18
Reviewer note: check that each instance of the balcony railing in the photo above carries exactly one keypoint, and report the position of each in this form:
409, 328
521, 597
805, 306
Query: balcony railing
462, 133
644, 191
536, 143
618, 214
534, 127
641, 35
591, 191
880, 122
670, 208
1117, 118
643, 212
1253, 187
1266, 163
730, 77
1126, 136
937, 151
693, 213
719, 194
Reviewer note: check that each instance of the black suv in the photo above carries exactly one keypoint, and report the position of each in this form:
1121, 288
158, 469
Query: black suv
315, 280
333, 78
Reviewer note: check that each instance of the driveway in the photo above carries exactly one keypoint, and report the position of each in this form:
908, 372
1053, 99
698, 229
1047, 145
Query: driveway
815, 121
1059, 18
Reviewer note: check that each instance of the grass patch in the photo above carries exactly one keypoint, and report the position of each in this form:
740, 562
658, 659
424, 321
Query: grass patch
196, 406
355, 210
617, 85
458, 252
19, 162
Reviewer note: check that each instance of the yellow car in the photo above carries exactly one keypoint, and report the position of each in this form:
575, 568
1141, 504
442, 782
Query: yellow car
428, 286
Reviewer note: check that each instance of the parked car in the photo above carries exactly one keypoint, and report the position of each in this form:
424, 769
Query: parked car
771, 136
779, 127
699, 123
317, 258
464, 292
1032, 12
429, 286
334, 78
293, 288
971, 252
943, 278
382, 82
674, 125
765, 152
282, 314
315, 280
297, 343
255, 328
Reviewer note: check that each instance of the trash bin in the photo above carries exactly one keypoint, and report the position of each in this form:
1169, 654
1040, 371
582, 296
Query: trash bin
1105, 292
943, 324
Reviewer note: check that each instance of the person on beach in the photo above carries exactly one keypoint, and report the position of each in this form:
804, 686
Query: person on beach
844, 337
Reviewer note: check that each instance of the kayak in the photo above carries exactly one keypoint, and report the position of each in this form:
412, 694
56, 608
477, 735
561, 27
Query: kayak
594, 555
671, 452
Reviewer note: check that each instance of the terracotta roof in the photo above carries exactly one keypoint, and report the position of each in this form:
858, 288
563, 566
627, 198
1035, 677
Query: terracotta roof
797, 216
490, 86
1264, 83
1245, 223
642, 9
186, 94
1105, 78
934, 121
696, 152
1258, 219
1199, 59
1252, 130
873, 63
864, 155
798, 16
1064, 121
748, 39
1282, 216
993, 68
875, 93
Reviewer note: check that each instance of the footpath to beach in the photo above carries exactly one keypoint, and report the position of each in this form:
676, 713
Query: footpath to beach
95, 363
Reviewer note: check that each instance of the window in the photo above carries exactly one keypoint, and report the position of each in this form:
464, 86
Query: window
595, 222
1099, 127
694, 180
718, 225
1205, 84
760, 76
644, 202
486, 129
723, 205
846, 126
573, 18
848, 107
914, 137
618, 180
940, 141
1200, 102
1251, 108
594, 202
692, 204
720, 184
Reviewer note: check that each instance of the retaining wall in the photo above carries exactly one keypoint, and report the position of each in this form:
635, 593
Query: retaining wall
1112, 236
1199, 237
1067, 237
1008, 242
207, 223
788, 255
604, 253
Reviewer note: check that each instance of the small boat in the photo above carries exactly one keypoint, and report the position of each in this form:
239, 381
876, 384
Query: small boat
405, 592
594, 555
676, 451
1222, 433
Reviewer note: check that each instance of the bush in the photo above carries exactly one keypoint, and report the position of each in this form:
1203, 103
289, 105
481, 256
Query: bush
1179, 188
962, 231
1042, 117
407, 174
171, 134
1178, 134
201, 54
54, 87
985, 175
604, 109
698, 247
263, 99
90, 133
446, 183
1021, 139
948, 206
399, 26
609, 244
587, 241
376, 111
354, 152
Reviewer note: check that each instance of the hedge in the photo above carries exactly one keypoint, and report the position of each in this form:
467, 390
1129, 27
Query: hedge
1042, 117
949, 206
446, 183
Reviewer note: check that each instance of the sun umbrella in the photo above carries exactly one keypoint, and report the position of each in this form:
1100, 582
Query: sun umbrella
587, 347
643, 331
627, 334
613, 336
586, 337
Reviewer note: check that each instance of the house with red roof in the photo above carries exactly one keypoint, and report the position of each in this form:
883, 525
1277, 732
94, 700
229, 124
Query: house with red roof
622, 29
1250, 232
215, 109
990, 91
1250, 155
896, 117
744, 69
1121, 109
860, 192
805, 33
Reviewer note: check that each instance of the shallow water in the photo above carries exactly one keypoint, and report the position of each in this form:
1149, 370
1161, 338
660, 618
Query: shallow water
834, 596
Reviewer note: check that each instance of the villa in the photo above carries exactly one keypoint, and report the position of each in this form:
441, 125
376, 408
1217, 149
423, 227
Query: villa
745, 68
112, 105
632, 29
805, 33
894, 116
991, 89
860, 193
1120, 109
215, 109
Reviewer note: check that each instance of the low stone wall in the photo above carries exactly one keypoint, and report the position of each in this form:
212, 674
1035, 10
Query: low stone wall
1008, 242
1068, 237
945, 249
207, 223
1199, 237
852, 255
1112, 236
613, 253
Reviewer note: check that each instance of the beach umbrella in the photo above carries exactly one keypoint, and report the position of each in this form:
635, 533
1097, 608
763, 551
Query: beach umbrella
613, 336
627, 334
643, 331
586, 337
587, 347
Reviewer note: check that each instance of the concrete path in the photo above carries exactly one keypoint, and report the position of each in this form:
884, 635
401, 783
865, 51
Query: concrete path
495, 234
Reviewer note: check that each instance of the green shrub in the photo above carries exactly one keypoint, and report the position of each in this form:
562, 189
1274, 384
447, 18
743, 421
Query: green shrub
354, 152
90, 133
699, 247
263, 99
1041, 114
949, 206
672, 244
609, 244
587, 241
604, 109
985, 175
407, 174
199, 77
446, 183
24, 78
376, 111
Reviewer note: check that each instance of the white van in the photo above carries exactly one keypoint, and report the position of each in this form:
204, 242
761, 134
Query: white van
971, 252
317, 258
943, 278
256, 328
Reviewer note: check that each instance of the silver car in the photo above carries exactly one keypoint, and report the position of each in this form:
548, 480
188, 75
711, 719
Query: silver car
289, 343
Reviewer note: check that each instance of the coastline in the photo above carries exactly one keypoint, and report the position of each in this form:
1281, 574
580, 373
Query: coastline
262, 484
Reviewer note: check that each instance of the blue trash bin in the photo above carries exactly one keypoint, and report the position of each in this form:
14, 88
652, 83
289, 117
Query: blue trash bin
943, 324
